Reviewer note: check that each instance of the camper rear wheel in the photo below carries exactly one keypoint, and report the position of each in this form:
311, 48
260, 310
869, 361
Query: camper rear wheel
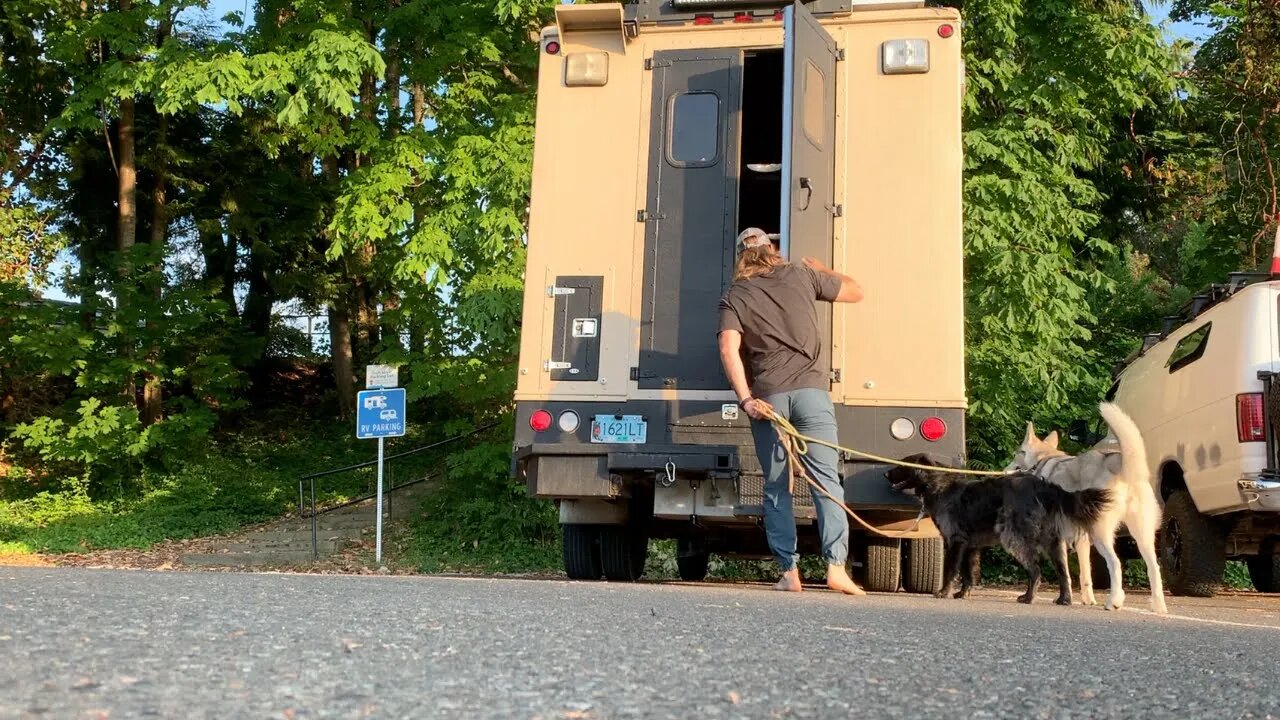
923, 559
623, 552
692, 560
1098, 570
581, 551
1192, 548
884, 564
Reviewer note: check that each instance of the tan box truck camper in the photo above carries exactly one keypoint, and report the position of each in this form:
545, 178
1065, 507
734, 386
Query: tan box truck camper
664, 127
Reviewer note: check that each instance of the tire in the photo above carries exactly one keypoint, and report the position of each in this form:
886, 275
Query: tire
691, 561
1264, 571
1099, 571
1192, 548
623, 552
884, 564
581, 551
923, 571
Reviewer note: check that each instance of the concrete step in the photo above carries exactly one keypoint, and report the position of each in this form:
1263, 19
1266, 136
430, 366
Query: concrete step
325, 547
304, 534
249, 559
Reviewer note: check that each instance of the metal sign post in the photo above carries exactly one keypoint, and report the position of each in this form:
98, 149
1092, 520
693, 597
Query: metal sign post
377, 552
380, 414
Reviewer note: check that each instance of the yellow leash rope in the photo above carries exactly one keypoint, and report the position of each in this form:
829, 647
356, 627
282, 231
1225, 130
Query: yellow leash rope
796, 444
802, 447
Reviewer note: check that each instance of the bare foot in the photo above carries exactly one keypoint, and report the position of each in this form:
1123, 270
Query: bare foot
838, 579
790, 581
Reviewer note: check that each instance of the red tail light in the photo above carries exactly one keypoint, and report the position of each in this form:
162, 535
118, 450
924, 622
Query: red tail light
553, 47
945, 31
743, 17
1249, 421
933, 429
703, 19
540, 421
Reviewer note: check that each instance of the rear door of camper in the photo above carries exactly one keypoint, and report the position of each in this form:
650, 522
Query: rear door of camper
695, 169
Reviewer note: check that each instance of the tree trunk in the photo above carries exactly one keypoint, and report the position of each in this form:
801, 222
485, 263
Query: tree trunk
419, 104
340, 353
367, 334
127, 231
152, 392
219, 262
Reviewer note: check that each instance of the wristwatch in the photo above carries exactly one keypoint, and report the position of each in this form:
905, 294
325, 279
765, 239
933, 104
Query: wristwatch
743, 402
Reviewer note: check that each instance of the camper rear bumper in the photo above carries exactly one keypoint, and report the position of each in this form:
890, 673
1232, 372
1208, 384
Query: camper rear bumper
697, 440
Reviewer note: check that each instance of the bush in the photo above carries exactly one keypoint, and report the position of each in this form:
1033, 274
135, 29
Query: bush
478, 519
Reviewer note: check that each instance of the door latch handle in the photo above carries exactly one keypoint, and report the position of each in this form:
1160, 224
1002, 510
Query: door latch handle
807, 186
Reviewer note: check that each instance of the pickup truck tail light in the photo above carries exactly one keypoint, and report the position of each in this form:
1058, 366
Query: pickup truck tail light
1249, 421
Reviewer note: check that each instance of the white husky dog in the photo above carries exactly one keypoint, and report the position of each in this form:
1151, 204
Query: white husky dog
1126, 474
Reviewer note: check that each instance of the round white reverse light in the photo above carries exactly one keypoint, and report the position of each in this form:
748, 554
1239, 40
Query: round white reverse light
902, 429
568, 421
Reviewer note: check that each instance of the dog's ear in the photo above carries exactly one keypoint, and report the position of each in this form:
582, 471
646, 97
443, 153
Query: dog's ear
1031, 432
1052, 440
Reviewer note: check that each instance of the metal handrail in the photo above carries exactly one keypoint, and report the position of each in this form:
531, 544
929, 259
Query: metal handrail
311, 481
406, 453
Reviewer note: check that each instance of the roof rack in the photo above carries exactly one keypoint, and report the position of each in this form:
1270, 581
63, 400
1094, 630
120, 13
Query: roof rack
651, 11
1192, 309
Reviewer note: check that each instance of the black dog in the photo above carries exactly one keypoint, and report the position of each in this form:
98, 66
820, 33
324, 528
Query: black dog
1025, 514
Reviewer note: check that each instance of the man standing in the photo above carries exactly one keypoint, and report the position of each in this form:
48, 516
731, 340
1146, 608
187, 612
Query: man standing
768, 315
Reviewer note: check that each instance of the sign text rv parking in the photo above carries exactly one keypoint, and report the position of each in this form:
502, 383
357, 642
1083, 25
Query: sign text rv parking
380, 413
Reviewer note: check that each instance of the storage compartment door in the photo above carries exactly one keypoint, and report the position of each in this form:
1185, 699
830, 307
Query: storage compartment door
808, 147
575, 344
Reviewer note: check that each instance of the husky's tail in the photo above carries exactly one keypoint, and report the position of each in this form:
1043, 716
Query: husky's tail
1134, 470
1084, 507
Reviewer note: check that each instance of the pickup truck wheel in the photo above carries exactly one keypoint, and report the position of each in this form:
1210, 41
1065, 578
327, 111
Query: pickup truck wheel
1192, 548
623, 552
581, 551
691, 561
923, 558
884, 564
1264, 571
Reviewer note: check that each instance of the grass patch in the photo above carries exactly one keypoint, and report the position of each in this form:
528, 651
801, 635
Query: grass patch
478, 520
238, 480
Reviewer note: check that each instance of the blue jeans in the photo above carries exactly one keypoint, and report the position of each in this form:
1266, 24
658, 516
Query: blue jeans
811, 412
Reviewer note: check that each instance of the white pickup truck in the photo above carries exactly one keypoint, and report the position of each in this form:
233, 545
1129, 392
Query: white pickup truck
1205, 392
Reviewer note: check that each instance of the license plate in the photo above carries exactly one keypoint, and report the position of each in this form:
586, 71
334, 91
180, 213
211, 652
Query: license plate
627, 429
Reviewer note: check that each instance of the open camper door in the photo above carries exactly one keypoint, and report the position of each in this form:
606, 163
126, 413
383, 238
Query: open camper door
808, 147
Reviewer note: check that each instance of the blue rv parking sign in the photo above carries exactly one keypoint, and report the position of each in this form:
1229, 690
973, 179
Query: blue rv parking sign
380, 413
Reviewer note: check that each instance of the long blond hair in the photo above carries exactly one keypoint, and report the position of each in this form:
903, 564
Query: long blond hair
755, 261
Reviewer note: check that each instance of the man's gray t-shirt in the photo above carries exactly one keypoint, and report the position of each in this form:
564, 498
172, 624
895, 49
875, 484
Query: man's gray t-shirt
776, 315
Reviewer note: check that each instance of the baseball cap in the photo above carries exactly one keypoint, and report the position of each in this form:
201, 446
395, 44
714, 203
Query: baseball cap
752, 237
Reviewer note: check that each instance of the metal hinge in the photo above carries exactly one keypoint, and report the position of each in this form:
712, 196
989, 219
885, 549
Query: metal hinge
636, 374
644, 216
835, 376
839, 54
837, 211
550, 365
553, 291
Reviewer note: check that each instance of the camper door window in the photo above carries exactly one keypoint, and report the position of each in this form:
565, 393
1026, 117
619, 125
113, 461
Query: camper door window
694, 136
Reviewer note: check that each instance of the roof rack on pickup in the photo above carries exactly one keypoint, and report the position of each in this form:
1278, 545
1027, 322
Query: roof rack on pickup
1192, 309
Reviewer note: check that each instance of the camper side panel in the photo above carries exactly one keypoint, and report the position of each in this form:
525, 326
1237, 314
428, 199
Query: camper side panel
583, 218
900, 233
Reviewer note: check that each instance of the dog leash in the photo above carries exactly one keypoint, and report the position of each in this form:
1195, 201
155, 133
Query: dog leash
794, 443
803, 441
